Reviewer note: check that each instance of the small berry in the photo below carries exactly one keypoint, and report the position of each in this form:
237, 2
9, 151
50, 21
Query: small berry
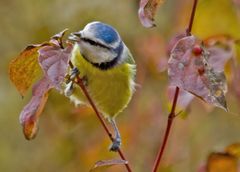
197, 50
201, 71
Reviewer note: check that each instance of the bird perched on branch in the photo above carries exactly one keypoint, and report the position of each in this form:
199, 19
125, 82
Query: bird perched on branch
107, 67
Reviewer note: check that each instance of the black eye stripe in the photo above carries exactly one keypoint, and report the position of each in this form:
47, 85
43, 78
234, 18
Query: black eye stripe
95, 43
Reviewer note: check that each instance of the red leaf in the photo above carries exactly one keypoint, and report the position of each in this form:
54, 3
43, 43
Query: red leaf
195, 74
54, 62
31, 112
108, 163
147, 11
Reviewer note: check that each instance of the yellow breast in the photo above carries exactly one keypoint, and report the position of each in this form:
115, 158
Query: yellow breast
111, 89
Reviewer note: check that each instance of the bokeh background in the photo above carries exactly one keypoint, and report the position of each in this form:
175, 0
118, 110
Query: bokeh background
71, 139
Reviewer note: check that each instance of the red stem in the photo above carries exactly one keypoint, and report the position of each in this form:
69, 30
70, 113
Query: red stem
169, 125
189, 29
172, 114
80, 83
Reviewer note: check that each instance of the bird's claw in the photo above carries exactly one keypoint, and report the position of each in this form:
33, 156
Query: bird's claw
115, 145
69, 89
74, 73
70, 81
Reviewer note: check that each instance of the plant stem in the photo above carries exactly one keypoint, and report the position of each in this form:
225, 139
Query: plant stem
80, 83
189, 29
169, 125
172, 114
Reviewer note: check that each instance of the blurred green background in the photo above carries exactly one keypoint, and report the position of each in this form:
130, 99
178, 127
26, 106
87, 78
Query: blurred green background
71, 139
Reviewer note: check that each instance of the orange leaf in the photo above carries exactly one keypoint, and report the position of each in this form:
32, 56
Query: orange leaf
222, 162
234, 149
24, 69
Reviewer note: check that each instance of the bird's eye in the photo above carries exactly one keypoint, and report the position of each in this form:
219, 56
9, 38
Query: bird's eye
95, 43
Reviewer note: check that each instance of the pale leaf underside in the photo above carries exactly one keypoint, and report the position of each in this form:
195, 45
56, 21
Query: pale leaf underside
195, 74
147, 11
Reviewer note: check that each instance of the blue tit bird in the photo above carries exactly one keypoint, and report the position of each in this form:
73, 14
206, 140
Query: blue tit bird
105, 63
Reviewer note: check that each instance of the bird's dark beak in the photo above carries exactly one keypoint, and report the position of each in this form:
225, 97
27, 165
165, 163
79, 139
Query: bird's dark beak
75, 36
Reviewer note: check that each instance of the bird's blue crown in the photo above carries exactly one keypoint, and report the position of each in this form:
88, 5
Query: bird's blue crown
104, 32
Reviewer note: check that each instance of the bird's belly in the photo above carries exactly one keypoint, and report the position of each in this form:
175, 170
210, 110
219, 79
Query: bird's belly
111, 90
111, 93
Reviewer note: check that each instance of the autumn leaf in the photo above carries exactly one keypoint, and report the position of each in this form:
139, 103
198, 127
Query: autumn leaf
24, 69
54, 62
184, 97
222, 162
53, 58
107, 163
233, 149
173, 41
57, 39
189, 69
221, 49
147, 11
31, 112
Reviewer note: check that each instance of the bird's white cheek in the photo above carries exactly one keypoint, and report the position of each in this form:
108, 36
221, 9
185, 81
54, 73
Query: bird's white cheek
96, 54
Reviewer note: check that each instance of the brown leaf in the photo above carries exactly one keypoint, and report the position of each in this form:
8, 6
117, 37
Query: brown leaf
222, 162
189, 69
108, 163
54, 62
24, 69
147, 11
31, 112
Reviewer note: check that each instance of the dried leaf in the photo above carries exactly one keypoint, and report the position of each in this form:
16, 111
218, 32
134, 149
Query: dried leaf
54, 62
57, 38
30, 113
192, 72
24, 69
108, 163
233, 149
147, 11
222, 162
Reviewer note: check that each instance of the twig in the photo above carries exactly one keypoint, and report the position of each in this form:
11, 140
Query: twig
189, 29
80, 83
172, 114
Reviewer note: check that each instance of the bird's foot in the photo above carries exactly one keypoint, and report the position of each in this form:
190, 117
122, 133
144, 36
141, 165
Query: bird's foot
69, 89
70, 81
74, 73
115, 145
